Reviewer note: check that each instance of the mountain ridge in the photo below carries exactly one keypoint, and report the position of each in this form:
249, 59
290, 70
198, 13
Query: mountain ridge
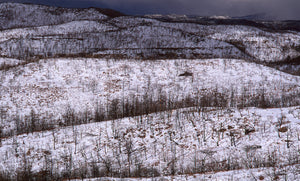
257, 20
33, 15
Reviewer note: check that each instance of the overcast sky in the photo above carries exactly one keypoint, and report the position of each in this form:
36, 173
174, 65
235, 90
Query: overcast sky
283, 9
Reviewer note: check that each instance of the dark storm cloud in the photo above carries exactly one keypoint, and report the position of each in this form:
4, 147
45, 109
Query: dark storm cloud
283, 9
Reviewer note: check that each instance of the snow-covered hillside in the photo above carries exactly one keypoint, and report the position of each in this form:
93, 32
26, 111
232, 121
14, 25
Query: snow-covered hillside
89, 93
175, 142
264, 46
132, 38
88, 33
15, 15
50, 86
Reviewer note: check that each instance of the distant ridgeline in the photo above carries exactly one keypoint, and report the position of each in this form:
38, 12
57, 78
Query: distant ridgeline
37, 31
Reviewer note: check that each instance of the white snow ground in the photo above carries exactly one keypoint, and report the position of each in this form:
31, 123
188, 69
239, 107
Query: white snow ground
267, 174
